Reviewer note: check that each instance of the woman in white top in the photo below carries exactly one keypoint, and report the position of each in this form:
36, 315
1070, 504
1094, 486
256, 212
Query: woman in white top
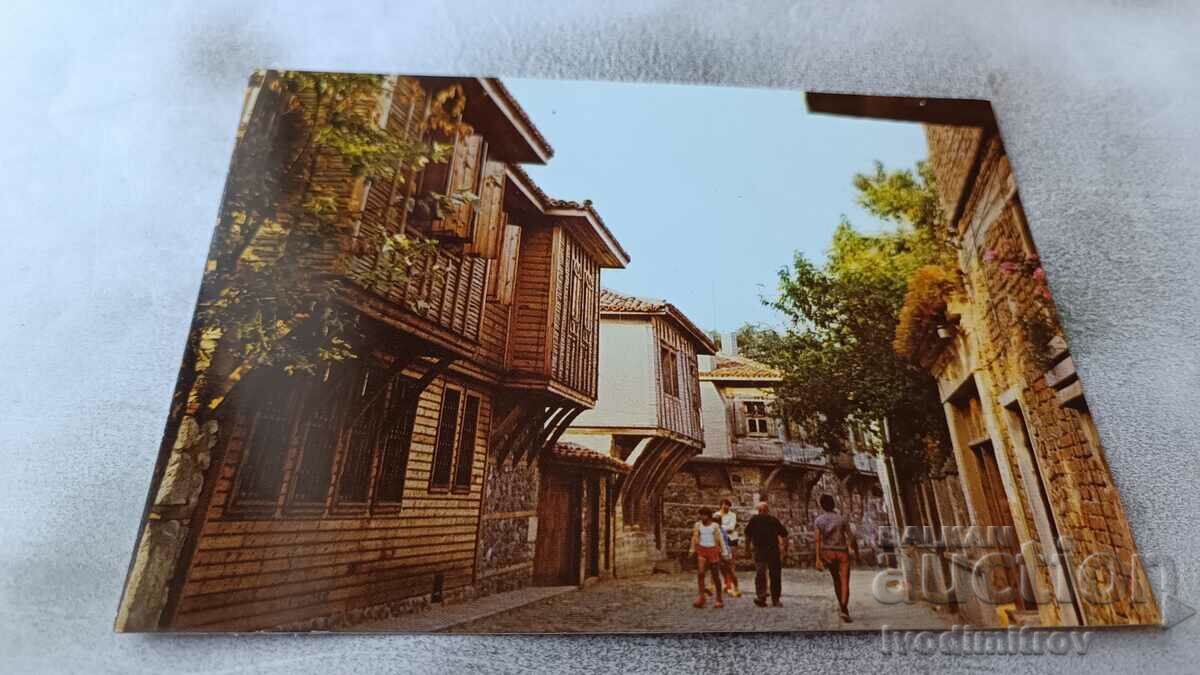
709, 547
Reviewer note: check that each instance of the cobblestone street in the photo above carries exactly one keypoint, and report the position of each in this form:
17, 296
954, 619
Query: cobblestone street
663, 603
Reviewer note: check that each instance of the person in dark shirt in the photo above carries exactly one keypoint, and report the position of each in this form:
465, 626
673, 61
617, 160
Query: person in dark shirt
768, 543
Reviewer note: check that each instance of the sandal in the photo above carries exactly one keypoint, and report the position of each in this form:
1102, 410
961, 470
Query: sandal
699, 603
718, 605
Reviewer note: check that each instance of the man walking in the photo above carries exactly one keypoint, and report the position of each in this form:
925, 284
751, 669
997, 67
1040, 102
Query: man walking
768, 543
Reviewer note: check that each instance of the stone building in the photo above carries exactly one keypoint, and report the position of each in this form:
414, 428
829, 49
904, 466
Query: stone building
407, 475
751, 453
647, 415
1026, 454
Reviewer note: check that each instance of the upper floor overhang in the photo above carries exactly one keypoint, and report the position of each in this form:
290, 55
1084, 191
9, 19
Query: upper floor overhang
580, 219
493, 112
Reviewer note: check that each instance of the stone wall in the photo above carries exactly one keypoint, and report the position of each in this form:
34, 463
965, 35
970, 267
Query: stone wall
1005, 321
793, 498
507, 527
635, 550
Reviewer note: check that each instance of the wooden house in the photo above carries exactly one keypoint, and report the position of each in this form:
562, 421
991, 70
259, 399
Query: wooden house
647, 415
753, 453
363, 490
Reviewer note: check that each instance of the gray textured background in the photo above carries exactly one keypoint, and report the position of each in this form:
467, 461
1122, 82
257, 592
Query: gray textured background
118, 123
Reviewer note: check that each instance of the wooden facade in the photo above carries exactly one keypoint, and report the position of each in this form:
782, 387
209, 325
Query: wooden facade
647, 415
359, 491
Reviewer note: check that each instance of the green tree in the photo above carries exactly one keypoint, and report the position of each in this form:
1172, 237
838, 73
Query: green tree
837, 355
260, 303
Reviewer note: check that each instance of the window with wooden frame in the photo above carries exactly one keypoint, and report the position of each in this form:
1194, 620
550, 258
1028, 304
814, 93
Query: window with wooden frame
395, 437
267, 441
757, 419
365, 415
319, 430
464, 468
463, 172
669, 370
443, 448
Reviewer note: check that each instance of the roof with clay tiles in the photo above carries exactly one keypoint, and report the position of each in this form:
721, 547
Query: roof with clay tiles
614, 303
547, 204
741, 368
577, 454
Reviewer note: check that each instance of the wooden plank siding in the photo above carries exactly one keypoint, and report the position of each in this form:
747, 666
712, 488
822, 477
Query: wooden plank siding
576, 354
680, 414
257, 558
266, 570
555, 335
531, 305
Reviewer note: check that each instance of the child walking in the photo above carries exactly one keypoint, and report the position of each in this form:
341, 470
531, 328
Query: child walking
709, 547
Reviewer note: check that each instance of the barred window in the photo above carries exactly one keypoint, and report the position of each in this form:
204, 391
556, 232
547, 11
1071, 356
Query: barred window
466, 444
266, 445
319, 439
395, 437
369, 399
443, 453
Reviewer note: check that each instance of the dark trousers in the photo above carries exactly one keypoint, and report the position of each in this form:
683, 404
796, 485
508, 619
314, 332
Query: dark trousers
768, 563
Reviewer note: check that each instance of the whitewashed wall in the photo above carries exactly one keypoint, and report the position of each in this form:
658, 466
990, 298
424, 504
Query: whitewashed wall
628, 393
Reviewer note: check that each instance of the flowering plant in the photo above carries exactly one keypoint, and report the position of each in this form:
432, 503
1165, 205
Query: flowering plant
1040, 325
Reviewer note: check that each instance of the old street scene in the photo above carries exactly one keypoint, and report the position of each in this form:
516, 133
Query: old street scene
797, 367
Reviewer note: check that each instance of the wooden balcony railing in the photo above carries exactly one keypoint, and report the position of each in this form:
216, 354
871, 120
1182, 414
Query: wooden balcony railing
443, 289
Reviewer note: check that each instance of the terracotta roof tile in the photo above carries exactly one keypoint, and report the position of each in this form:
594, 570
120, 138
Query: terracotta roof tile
548, 202
740, 368
619, 303
612, 301
577, 454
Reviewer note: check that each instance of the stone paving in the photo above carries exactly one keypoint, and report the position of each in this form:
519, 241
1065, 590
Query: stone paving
663, 603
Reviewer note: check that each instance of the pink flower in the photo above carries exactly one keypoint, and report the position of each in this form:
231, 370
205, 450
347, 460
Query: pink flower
1039, 274
1045, 292
989, 255
1008, 267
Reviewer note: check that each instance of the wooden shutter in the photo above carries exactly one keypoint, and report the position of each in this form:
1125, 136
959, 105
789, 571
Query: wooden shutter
739, 417
466, 163
509, 253
489, 219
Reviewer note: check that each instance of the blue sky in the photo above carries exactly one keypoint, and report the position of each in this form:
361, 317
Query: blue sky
709, 189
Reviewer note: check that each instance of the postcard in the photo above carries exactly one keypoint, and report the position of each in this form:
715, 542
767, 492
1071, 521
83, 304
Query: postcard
718, 360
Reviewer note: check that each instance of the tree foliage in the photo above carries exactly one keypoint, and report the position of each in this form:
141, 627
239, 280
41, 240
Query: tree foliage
837, 356
261, 304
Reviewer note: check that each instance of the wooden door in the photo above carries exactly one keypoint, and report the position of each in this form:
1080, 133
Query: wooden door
1001, 516
556, 556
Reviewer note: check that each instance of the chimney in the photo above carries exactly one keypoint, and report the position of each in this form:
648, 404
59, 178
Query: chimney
729, 345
